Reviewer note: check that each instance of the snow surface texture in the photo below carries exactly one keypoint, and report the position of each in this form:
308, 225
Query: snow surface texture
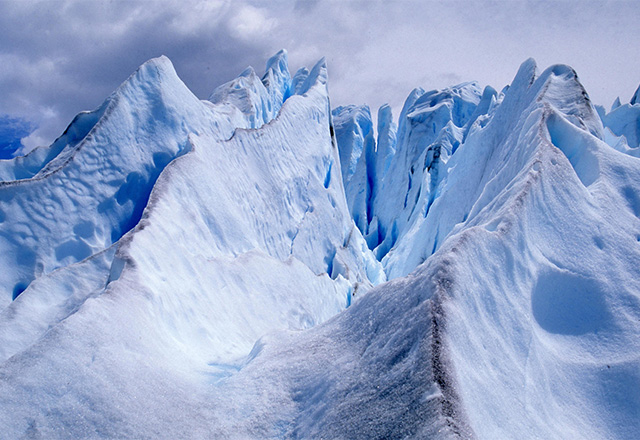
181, 268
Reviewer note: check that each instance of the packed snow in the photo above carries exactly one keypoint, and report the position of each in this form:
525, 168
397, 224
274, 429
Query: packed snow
186, 268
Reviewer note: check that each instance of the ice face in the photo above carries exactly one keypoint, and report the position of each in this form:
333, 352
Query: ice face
355, 137
616, 104
636, 97
92, 191
432, 126
625, 121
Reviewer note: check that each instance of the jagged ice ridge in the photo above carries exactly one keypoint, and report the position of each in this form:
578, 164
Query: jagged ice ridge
180, 268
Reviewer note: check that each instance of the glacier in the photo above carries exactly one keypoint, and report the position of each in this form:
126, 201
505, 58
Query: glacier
262, 265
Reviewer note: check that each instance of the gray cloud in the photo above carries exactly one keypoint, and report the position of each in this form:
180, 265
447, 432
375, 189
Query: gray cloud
59, 58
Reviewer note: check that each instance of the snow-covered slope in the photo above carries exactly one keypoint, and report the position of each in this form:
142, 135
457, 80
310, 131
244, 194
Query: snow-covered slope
228, 243
529, 293
94, 190
184, 268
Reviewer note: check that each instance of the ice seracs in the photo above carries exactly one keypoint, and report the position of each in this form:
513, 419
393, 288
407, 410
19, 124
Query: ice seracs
355, 137
528, 230
636, 97
257, 100
222, 281
391, 186
622, 126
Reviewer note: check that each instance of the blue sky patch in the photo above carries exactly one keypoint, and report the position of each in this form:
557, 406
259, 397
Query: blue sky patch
12, 130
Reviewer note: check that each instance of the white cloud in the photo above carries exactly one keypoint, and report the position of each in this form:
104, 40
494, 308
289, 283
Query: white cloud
30, 142
377, 51
196, 16
41, 136
250, 23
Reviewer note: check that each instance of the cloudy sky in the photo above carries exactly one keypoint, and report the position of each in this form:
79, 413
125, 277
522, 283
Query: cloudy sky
61, 57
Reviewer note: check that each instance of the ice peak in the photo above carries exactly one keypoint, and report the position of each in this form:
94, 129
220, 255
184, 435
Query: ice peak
279, 62
353, 126
624, 122
385, 121
298, 80
277, 78
384, 108
559, 86
636, 97
319, 72
161, 61
317, 75
387, 132
526, 74
258, 100
248, 72
616, 103
155, 72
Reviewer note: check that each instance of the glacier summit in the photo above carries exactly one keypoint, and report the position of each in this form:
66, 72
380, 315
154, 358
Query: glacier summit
260, 265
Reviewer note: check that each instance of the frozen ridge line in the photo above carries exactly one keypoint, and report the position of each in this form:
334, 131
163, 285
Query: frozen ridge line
164, 254
167, 113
